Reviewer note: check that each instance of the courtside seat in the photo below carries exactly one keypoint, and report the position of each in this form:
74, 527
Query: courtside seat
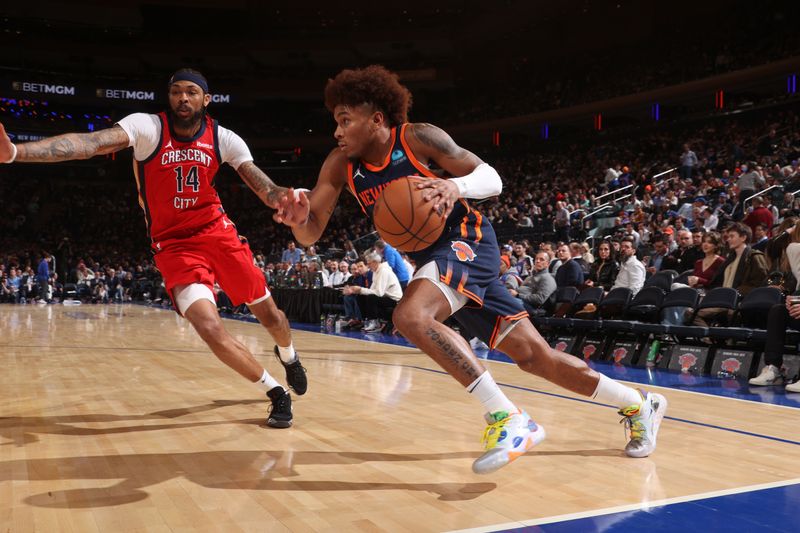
753, 313
683, 277
685, 297
586, 320
643, 308
663, 280
722, 297
564, 298
615, 303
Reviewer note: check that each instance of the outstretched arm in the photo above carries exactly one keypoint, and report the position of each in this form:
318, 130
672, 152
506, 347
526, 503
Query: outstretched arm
309, 214
271, 194
64, 147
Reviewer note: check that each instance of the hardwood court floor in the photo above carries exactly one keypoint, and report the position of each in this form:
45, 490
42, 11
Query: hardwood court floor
118, 418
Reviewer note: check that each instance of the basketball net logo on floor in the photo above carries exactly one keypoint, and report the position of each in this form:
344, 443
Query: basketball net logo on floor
463, 251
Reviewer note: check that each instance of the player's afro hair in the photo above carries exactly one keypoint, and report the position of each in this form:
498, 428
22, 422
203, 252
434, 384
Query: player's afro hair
373, 85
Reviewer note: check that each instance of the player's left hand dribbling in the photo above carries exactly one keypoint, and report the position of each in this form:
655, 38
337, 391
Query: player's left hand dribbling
442, 193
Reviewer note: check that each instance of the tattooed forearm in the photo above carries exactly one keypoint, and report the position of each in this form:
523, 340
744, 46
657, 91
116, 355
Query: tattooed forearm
437, 139
73, 146
260, 184
453, 358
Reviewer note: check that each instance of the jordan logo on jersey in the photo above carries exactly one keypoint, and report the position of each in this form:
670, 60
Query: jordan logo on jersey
358, 173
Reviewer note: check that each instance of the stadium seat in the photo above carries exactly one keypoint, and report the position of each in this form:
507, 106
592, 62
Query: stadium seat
615, 303
564, 298
683, 277
643, 308
721, 297
686, 297
663, 280
592, 296
753, 314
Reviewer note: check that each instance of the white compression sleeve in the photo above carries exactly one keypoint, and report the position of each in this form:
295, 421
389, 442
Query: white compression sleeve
482, 182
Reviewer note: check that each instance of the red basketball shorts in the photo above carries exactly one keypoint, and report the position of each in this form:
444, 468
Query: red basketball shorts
215, 254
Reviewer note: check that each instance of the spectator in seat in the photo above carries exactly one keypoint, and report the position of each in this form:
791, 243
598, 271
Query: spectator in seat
379, 300
705, 269
537, 288
631, 272
395, 261
782, 317
657, 259
508, 276
760, 237
744, 269
569, 274
685, 256
759, 215
340, 276
604, 269
291, 254
352, 312
523, 263
576, 250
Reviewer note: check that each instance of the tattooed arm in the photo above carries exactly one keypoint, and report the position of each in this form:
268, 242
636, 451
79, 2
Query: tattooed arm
474, 178
64, 147
271, 194
430, 143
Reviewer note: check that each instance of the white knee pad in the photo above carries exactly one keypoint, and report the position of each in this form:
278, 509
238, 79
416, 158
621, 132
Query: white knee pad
430, 272
186, 295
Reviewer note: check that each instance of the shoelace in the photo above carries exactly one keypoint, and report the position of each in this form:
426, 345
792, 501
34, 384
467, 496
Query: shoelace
498, 425
632, 422
279, 405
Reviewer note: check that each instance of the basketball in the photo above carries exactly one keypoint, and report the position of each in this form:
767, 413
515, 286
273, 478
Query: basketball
404, 219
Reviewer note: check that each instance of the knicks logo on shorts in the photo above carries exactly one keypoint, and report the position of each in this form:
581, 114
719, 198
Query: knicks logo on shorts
463, 251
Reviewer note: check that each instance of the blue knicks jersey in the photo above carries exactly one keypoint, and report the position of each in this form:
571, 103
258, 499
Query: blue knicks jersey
368, 181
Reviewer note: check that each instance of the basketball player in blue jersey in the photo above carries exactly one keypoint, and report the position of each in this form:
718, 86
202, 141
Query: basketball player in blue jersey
457, 275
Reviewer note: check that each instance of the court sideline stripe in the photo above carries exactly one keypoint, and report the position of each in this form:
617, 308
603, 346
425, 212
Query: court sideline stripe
630, 507
563, 397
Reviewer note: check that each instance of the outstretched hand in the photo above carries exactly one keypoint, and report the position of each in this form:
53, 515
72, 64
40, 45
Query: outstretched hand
294, 208
443, 194
6, 148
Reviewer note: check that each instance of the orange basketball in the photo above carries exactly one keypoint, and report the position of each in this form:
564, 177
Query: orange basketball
404, 219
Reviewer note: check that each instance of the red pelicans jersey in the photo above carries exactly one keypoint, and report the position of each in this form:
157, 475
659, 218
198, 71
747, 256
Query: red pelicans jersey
176, 183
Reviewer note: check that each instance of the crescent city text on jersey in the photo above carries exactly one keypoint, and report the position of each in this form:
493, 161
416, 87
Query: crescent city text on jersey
185, 154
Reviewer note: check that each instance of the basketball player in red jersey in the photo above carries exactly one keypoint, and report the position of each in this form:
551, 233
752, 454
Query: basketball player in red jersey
176, 157
376, 146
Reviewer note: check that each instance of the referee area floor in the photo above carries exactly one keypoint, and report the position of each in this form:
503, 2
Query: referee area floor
119, 418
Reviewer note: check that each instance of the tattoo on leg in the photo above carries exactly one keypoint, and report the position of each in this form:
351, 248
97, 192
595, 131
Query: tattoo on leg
458, 361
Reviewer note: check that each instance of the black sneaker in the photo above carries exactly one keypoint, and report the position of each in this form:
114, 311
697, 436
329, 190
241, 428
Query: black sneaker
280, 414
295, 373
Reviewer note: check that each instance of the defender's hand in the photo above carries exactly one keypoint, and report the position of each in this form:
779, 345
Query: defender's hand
7, 150
443, 193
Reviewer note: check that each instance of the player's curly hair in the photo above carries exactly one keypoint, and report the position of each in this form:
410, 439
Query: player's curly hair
373, 85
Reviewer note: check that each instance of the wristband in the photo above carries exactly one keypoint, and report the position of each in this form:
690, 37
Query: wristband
13, 154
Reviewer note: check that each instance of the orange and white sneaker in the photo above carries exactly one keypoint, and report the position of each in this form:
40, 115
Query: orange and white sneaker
642, 422
507, 437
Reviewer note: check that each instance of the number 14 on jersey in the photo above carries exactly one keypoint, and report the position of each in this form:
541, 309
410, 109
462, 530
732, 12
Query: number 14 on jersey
185, 182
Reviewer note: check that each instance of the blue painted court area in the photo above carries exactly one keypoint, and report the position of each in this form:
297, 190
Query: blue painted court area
772, 509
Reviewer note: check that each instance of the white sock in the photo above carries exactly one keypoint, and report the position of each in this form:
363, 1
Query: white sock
287, 354
489, 394
614, 393
267, 382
